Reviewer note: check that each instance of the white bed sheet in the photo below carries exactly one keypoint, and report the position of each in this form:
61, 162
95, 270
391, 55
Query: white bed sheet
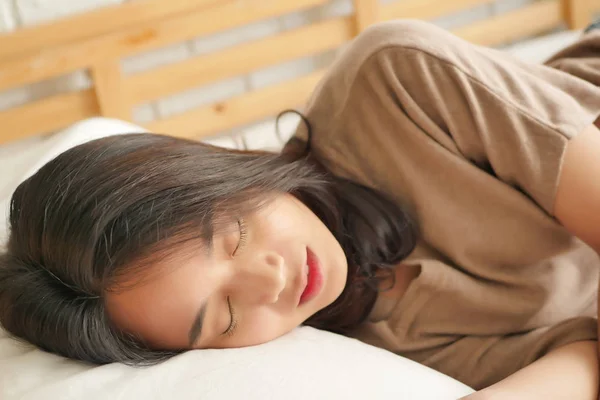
303, 364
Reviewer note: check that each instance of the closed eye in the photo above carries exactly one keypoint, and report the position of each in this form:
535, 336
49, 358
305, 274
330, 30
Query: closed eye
233, 324
243, 236
240, 245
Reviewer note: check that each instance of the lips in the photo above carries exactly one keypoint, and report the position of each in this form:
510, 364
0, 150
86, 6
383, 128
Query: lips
314, 278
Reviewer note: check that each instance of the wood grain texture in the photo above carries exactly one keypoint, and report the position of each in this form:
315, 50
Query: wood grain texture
232, 113
366, 13
67, 58
94, 23
47, 115
99, 40
239, 60
109, 90
578, 13
427, 9
537, 18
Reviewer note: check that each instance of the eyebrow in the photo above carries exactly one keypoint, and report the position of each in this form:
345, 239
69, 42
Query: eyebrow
196, 328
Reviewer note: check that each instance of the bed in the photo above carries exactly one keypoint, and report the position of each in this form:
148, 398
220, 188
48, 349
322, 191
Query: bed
305, 363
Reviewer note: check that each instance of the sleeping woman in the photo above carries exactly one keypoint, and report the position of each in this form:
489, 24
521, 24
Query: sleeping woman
441, 200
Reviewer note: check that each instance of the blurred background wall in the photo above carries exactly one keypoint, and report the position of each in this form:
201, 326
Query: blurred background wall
21, 13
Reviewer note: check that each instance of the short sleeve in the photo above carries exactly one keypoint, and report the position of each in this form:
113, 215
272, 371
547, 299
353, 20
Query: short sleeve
509, 118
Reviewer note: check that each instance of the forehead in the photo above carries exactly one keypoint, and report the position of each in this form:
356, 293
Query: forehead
161, 308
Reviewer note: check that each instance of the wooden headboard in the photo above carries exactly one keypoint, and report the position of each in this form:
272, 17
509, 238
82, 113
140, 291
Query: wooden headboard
96, 42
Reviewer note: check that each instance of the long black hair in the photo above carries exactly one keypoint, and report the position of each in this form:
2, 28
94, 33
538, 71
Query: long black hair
88, 216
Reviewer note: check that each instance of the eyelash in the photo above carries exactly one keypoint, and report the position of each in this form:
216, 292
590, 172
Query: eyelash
243, 235
231, 330
242, 242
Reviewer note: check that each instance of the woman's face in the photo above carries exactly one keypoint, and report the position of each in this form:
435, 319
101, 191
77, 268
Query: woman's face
256, 273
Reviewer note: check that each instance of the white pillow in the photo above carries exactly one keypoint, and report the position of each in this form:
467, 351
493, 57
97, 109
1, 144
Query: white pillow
304, 364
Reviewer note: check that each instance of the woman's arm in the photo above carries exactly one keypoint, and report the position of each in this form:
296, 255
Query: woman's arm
569, 372
577, 204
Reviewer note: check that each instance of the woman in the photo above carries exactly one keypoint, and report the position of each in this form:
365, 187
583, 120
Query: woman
433, 210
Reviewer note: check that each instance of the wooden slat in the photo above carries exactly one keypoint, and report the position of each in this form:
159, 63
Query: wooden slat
108, 84
89, 24
427, 9
366, 13
47, 115
65, 59
536, 18
239, 60
239, 110
577, 13
59, 52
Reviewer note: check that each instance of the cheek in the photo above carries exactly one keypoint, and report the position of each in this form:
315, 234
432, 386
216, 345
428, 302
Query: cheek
279, 227
283, 221
258, 327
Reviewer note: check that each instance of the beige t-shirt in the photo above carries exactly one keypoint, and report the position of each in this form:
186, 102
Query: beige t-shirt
471, 141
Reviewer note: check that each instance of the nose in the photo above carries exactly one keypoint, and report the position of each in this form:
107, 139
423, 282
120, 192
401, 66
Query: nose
261, 278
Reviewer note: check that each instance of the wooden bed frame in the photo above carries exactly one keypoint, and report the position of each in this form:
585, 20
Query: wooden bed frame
97, 41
